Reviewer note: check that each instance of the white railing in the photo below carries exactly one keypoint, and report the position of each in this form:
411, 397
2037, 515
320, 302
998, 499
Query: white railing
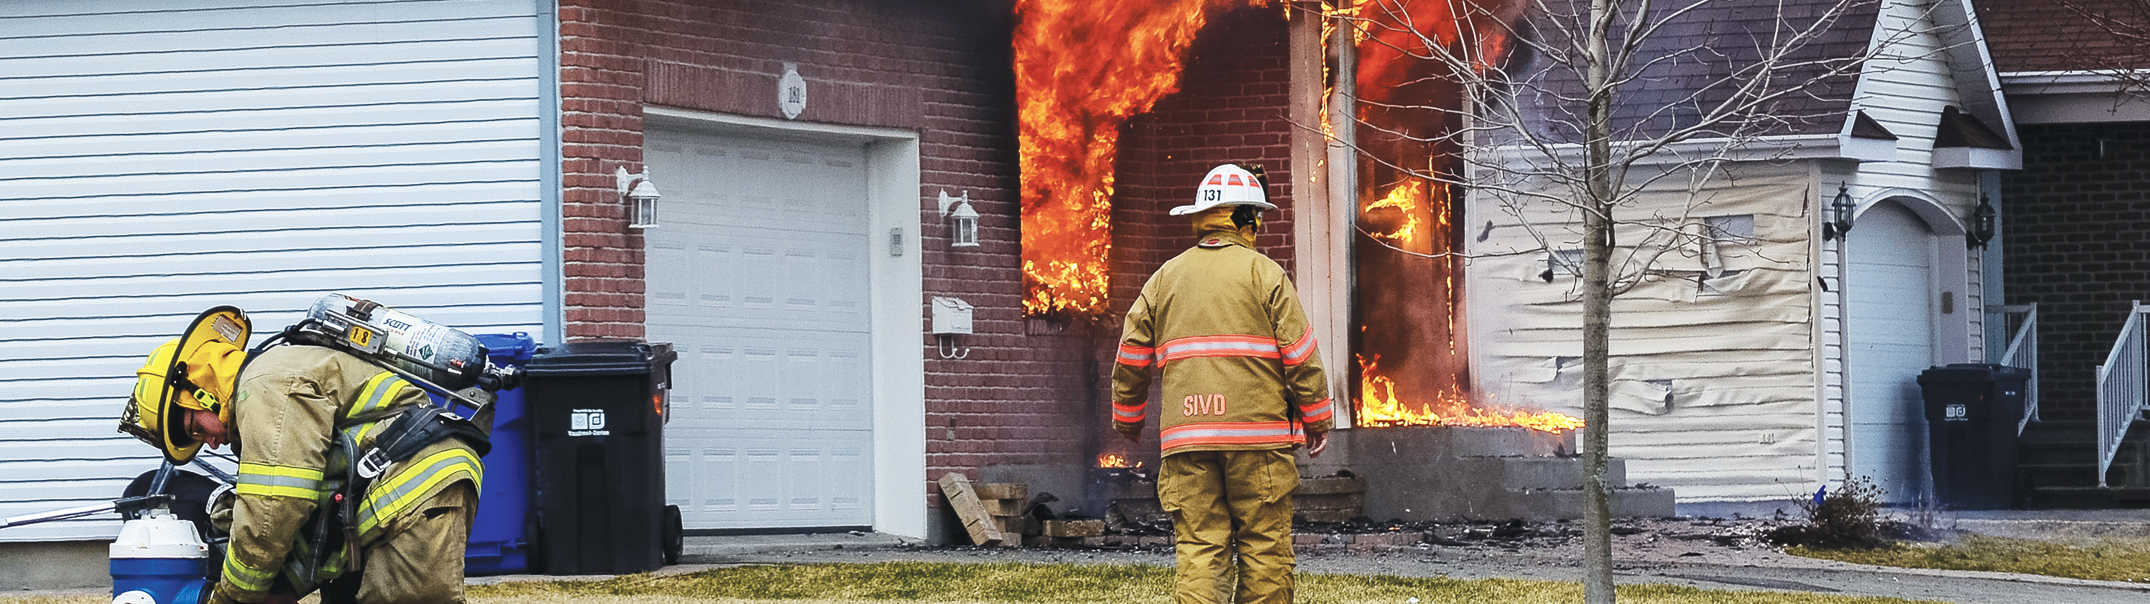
2121, 388
2022, 352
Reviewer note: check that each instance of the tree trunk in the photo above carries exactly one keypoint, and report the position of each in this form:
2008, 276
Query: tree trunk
1597, 308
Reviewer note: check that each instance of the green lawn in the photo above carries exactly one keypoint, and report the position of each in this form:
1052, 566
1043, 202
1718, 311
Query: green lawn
1009, 582
2107, 559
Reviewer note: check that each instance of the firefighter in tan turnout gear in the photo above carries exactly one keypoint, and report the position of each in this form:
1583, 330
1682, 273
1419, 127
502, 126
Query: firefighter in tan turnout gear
283, 417
1243, 387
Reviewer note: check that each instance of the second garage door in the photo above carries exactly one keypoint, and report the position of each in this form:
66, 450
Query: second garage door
1891, 342
758, 275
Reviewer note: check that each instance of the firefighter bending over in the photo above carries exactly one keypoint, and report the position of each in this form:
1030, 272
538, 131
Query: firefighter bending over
284, 418
1243, 386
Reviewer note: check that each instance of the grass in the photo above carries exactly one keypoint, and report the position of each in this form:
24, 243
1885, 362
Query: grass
1013, 582
2105, 560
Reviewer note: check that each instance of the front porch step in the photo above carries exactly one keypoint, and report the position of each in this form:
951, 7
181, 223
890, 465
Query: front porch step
2090, 497
2075, 474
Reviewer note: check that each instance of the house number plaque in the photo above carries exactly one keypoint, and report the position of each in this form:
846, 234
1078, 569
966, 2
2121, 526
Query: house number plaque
791, 92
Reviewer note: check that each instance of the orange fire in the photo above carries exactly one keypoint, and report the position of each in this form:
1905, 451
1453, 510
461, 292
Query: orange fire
1379, 407
1115, 460
1394, 218
1083, 68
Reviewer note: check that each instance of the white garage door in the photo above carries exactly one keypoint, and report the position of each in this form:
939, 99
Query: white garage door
1890, 278
758, 275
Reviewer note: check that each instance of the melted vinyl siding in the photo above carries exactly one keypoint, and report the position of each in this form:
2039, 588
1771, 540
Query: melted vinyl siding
157, 158
1713, 393
1905, 91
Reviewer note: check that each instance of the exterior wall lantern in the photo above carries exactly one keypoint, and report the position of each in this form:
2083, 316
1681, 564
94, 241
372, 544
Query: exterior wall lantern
1981, 223
1841, 210
962, 220
641, 197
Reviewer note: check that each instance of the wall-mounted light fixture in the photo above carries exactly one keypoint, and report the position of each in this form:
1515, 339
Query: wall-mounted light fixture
1981, 223
640, 196
962, 220
1841, 211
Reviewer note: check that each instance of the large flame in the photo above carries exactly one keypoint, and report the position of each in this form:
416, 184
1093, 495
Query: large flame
1407, 299
1380, 406
1082, 68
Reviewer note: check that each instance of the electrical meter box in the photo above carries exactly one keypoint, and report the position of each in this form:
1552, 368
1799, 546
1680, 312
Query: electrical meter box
951, 317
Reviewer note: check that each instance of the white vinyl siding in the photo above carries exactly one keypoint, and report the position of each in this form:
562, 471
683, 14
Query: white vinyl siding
1712, 378
1905, 89
158, 158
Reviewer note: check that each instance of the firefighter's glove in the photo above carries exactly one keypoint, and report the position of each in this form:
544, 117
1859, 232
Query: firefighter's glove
220, 507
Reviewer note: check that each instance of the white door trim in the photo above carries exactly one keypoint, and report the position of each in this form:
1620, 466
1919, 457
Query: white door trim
898, 290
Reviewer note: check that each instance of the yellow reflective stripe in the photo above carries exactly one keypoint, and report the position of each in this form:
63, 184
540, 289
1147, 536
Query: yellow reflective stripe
360, 432
278, 481
246, 578
381, 388
276, 491
262, 469
387, 499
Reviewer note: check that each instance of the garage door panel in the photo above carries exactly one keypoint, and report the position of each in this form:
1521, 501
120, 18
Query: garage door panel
798, 480
1888, 305
759, 277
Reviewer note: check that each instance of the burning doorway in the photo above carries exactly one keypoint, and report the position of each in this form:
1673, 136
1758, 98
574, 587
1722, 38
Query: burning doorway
1411, 357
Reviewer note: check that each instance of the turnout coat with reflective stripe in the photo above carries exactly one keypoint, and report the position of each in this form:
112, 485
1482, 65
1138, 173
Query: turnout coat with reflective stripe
291, 403
1240, 366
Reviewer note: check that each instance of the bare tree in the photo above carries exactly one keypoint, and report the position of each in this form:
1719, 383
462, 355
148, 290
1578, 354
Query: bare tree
1563, 112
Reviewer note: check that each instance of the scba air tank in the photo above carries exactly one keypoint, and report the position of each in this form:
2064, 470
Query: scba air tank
438, 353
159, 559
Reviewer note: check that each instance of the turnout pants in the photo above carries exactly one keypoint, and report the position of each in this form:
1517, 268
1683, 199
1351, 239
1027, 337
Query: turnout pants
1225, 503
420, 559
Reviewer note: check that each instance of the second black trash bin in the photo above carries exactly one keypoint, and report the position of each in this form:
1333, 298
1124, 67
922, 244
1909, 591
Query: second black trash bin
1971, 414
597, 409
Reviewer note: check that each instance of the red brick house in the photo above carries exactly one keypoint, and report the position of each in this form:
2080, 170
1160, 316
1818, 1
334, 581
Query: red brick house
2073, 226
826, 425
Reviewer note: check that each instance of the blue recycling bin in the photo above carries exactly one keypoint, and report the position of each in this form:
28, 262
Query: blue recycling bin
499, 543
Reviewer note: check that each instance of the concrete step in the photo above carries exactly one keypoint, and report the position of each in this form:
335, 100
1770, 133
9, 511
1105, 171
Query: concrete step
2090, 497
2076, 474
2057, 454
1517, 472
1558, 504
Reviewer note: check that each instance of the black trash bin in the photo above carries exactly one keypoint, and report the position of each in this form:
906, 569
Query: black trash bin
598, 410
1971, 414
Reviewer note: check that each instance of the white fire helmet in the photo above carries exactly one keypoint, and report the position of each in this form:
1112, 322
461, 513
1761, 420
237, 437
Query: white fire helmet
1227, 185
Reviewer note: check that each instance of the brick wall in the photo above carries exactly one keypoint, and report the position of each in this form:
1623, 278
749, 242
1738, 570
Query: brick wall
940, 69
1231, 106
1030, 393
2075, 229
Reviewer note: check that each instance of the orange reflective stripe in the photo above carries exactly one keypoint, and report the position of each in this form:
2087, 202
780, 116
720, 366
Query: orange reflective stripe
1129, 413
1136, 356
1231, 433
1317, 411
1218, 346
1299, 349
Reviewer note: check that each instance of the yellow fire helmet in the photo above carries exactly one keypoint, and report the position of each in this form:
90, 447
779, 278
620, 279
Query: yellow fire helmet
197, 370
